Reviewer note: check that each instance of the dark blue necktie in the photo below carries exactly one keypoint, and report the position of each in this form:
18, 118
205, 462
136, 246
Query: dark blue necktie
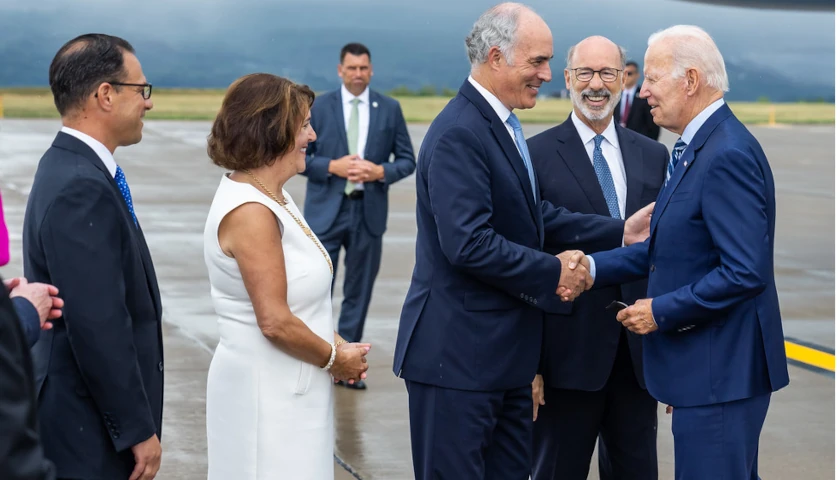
602, 170
126, 192
522, 146
676, 153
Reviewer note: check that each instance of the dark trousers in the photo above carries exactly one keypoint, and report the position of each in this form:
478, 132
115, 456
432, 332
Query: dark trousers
570, 422
719, 441
362, 254
465, 435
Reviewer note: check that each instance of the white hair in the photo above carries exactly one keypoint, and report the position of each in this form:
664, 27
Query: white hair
694, 48
494, 28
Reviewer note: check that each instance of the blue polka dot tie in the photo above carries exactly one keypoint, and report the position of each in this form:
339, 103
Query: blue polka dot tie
602, 170
126, 192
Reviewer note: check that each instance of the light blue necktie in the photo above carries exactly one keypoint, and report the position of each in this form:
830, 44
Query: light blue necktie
679, 148
523, 151
126, 192
605, 178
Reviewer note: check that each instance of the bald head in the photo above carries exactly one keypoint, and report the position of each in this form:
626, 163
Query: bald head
596, 47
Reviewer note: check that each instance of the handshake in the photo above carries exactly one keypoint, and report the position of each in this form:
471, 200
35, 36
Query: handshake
574, 275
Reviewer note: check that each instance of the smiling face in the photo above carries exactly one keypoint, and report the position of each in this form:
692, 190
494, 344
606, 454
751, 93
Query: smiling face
305, 136
594, 99
520, 78
129, 105
665, 94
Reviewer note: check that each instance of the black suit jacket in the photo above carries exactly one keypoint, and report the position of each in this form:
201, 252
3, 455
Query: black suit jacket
579, 347
639, 120
99, 371
21, 455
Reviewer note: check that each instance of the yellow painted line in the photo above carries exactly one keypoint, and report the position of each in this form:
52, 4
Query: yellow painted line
809, 356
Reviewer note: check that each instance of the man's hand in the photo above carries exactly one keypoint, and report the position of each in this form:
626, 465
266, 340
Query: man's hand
638, 318
362, 170
574, 275
537, 393
340, 166
637, 227
42, 296
146, 459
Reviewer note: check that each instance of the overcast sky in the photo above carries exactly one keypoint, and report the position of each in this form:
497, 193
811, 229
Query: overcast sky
795, 44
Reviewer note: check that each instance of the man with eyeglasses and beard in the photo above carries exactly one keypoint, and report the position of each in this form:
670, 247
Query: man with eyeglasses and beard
591, 378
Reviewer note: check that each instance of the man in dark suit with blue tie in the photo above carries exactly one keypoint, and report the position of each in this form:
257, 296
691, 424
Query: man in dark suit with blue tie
713, 340
471, 327
349, 170
591, 366
99, 371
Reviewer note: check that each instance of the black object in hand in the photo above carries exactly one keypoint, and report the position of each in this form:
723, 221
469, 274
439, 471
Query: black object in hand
616, 306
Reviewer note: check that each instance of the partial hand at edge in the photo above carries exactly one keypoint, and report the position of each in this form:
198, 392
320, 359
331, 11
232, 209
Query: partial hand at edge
538, 393
637, 227
350, 363
146, 459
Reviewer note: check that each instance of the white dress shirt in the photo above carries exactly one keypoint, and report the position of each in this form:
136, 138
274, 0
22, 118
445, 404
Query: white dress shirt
498, 107
101, 151
364, 120
612, 154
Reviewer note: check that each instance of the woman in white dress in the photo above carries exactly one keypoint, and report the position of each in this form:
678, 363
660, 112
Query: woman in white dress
269, 395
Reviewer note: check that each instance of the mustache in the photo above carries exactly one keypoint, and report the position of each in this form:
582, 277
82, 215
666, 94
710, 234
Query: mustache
602, 92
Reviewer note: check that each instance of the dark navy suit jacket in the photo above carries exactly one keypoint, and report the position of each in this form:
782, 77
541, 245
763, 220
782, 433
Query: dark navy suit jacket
99, 371
387, 135
710, 261
579, 347
472, 318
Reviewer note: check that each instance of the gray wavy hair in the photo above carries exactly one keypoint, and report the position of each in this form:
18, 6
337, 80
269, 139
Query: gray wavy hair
693, 47
494, 28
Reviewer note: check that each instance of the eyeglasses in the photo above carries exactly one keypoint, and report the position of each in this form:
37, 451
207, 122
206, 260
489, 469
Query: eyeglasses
608, 75
147, 88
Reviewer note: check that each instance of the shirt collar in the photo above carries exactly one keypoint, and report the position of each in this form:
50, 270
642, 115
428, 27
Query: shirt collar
694, 125
498, 107
346, 96
101, 151
586, 134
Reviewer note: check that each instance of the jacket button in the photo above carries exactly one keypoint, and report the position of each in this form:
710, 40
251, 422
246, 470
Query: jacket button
160, 366
653, 268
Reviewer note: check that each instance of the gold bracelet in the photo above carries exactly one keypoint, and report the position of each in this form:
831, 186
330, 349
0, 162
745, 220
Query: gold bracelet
340, 343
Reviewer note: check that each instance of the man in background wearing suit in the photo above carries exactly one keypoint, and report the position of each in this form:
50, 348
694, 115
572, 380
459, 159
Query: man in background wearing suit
591, 366
633, 112
99, 371
349, 171
468, 344
713, 340
25, 307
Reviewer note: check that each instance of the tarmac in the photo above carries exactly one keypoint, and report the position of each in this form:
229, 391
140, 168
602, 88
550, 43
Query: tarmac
173, 182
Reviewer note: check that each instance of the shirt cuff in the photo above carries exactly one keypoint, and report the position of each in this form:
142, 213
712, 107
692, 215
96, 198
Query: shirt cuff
591, 267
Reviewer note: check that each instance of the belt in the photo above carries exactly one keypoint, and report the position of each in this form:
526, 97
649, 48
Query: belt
355, 194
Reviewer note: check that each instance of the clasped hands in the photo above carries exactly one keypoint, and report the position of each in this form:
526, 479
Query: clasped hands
350, 362
356, 169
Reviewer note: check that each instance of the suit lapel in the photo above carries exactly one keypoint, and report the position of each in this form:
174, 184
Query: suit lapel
573, 153
338, 113
631, 153
686, 161
373, 124
506, 141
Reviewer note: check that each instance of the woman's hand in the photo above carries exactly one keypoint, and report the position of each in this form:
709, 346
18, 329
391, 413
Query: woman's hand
350, 363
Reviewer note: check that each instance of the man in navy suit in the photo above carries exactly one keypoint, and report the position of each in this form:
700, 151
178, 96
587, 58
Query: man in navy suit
713, 345
470, 331
349, 170
99, 371
632, 111
591, 366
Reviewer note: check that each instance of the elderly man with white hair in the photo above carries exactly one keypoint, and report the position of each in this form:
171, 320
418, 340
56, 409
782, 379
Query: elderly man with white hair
470, 331
713, 346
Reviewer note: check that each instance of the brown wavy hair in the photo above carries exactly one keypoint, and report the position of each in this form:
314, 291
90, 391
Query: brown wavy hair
260, 117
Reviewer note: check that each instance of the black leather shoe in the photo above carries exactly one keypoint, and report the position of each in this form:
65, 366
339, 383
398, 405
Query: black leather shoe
360, 385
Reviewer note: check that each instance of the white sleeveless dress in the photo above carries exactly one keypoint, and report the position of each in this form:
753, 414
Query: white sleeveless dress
269, 415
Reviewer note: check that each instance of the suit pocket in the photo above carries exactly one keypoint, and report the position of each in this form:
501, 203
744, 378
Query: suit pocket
487, 301
304, 378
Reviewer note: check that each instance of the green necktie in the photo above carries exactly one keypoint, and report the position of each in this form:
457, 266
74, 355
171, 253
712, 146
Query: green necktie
352, 139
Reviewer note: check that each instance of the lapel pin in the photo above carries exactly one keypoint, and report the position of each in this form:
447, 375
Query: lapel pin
685, 163
375, 105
